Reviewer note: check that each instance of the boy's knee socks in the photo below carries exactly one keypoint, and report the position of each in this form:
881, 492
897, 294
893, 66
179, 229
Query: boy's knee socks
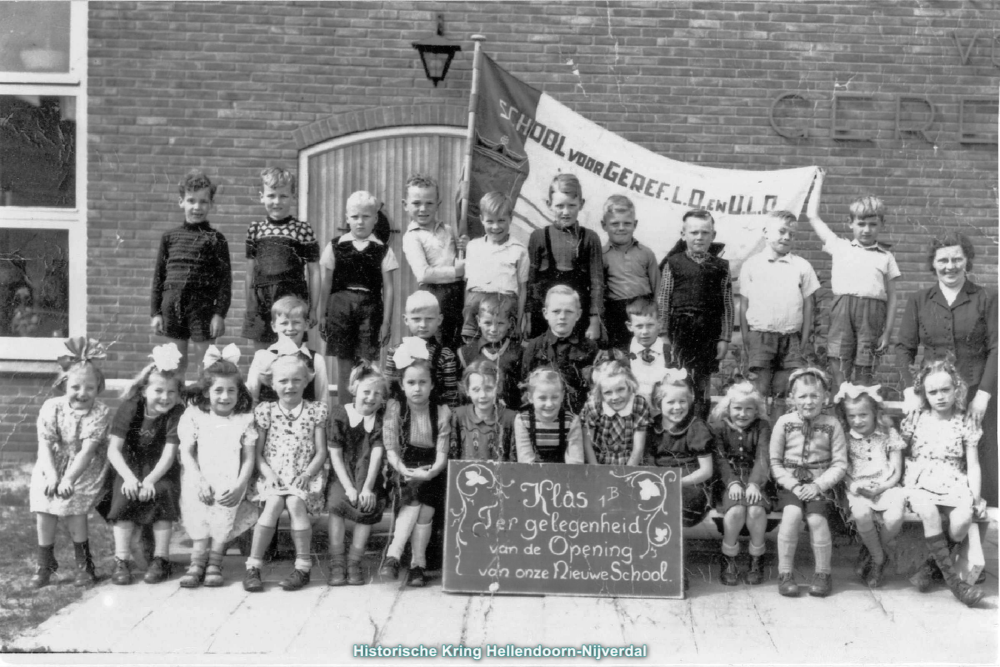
421, 538
788, 540
404, 526
822, 552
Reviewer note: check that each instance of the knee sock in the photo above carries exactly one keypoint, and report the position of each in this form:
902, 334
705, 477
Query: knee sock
758, 549
874, 544
822, 552
404, 526
788, 540
261, 540
302, 539
421, 538
731, 550
123, 540
161, 541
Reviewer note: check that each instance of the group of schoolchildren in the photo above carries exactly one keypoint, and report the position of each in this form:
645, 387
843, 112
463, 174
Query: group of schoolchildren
567, 351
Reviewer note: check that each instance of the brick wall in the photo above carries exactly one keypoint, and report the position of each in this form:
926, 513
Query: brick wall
224, 86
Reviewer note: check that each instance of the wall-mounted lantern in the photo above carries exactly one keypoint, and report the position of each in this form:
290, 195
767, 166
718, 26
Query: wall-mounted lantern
436, 53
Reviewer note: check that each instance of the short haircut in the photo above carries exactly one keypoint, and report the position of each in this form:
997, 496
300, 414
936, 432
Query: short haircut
422, 300
618, 204
276, 177
366, 371
698, 214
739, 391
563, 290
421, 181
288, 306
496, 203
810, 376
292, 361
783, 215
498, 305
866, 207
607, 371
196, 180
362, 199
950, 240
641, 306
568, 184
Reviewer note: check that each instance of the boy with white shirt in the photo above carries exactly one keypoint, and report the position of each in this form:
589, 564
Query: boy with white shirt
495, 264
776, 317
863, 279
648, 351
355, 318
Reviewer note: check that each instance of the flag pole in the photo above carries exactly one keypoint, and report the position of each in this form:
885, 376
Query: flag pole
470, 138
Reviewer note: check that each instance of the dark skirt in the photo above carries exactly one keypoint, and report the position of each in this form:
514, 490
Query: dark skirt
725, 504
430, 492
165, 506
696, 500
337, 504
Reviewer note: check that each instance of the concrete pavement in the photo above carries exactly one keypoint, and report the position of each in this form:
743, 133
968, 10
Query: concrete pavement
716, 624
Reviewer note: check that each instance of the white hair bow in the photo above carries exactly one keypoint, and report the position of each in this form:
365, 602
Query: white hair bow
229, 353
671, 375
166, 357
853, 391
410, 348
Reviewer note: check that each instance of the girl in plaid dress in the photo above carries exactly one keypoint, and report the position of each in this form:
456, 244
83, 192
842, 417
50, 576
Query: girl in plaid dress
615, 418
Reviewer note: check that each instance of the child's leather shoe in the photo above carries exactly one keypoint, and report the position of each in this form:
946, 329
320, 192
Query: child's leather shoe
875, 573
821, 585
194, 576
390, 568
338, 572
416, 578
297, 580
213, 576
787, 585
923, 578
730, 574
355, 576
158, 570
122, 574
252, 582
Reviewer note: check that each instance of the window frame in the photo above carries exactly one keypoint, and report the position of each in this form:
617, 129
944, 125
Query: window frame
73, 220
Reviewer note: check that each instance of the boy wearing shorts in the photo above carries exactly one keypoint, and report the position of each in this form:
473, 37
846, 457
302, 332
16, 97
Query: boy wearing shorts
630, 268
355, 306
431, 249
695, 303
193, 280
495, 264
776, 314
281, 258
863, 279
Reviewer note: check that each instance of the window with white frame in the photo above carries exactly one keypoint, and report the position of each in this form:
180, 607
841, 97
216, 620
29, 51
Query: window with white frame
43, 184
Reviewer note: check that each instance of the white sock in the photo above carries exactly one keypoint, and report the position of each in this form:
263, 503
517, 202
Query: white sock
404, 525
421, 538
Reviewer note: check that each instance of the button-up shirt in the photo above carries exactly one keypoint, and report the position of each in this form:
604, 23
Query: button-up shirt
647, 373
820, 458
967, 327
860, 270
629, 271
775, 287
431, 252
492, 267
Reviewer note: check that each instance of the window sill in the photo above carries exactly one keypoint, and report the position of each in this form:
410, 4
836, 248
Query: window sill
12, 367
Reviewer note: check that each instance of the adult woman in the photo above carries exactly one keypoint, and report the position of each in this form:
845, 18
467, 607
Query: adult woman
957, 316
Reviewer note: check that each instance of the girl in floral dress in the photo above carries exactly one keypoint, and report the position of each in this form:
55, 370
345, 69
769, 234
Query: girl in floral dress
68, 478
291, 451
942, 471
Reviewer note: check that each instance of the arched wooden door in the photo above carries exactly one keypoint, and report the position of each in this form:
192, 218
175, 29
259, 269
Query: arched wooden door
380, 161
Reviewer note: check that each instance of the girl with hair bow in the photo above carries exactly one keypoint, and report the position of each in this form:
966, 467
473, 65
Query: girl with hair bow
68, 478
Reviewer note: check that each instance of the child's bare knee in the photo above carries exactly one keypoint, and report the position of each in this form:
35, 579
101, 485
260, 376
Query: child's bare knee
426, 514
816, 521
736, 513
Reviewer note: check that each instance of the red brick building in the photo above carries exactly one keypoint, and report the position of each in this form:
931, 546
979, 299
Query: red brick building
119, 99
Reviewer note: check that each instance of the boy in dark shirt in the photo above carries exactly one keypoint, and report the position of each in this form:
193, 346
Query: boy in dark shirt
562, 347
192, 281
498, 342
282, 255
695, 303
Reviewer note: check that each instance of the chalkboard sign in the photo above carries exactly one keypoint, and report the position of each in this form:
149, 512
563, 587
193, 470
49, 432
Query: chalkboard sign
552, 528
